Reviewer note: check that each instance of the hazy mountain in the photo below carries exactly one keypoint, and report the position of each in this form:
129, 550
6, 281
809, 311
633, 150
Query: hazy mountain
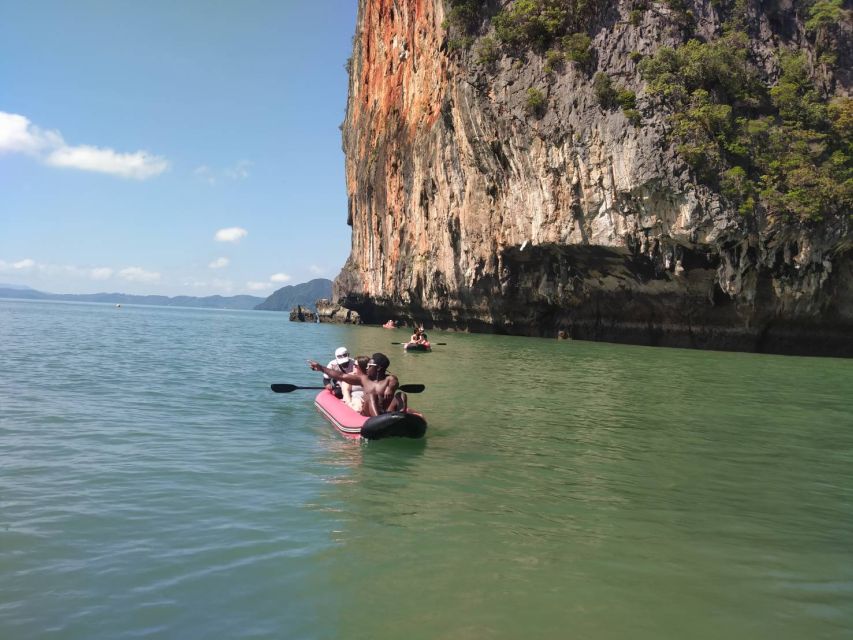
16, 287
305, 294
210, 302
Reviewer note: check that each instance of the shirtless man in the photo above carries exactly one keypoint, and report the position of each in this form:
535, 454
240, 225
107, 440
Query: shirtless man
380, 389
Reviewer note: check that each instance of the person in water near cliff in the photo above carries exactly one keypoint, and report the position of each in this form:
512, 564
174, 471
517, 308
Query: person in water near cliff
342, 363
381, 394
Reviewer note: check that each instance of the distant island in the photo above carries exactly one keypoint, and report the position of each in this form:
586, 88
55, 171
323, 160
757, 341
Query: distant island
305, 294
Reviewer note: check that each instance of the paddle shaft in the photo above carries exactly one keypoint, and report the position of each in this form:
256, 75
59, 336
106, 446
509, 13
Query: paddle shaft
287, 388
431, 343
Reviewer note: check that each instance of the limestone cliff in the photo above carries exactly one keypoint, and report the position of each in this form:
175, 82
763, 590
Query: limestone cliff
493, 189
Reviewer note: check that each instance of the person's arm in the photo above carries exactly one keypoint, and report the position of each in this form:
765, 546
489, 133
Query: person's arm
337, 375
327, 380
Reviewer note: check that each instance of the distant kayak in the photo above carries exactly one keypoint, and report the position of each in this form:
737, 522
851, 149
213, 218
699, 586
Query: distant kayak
397, 424
417, 346
389, 325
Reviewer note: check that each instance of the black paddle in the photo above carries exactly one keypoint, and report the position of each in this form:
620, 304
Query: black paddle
431, 343
287, 388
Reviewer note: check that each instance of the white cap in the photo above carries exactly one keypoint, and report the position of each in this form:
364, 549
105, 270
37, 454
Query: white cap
342, 355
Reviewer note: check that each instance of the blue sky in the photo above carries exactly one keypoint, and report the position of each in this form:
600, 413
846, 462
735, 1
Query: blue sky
172, 147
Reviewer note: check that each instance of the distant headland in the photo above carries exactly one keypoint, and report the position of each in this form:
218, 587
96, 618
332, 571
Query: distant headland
305, 294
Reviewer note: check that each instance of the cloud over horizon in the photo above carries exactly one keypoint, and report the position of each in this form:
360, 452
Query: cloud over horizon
30, 266
219, 263
19, 135
21, 265
138, 274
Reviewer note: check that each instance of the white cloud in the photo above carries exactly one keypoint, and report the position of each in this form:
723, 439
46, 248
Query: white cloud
19, 135
139, 165
21, 265
317, 271
219, 263
279, 277
211, 176
258, 286
25, 264
203, 172
240, 171
231, 234
101, 273
138, 274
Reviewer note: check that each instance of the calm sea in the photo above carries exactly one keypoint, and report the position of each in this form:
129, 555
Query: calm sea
151, 485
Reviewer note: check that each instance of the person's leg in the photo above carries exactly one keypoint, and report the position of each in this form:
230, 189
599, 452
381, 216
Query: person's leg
356, 403
346, 394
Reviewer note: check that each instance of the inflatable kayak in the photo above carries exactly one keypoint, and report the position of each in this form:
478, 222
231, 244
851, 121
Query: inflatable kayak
417, 346
397, 424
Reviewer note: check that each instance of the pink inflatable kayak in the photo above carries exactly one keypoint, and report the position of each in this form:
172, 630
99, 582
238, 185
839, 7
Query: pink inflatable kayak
402, 424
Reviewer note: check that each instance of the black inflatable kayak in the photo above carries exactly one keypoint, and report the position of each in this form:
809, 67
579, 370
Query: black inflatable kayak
399, 424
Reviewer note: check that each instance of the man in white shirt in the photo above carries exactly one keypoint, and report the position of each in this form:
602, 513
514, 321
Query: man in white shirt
342, 363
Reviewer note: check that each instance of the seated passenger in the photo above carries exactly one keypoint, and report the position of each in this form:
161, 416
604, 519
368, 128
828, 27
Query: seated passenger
354, 393
381, 393
342, 363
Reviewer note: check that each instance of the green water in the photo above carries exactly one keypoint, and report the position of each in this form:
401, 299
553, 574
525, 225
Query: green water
152, 486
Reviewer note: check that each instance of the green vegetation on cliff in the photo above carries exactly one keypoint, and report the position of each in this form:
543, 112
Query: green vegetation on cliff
772, 142
783, 147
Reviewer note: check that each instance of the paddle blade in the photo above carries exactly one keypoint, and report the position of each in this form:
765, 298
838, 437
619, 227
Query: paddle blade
412, 388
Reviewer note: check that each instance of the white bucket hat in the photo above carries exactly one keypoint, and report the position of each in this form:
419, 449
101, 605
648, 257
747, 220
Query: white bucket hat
342, 355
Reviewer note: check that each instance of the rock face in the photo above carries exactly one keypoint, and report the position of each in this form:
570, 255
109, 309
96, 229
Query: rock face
329, 311
301, 314
468, 213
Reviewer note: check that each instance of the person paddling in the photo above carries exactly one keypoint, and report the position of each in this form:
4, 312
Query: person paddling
380, 388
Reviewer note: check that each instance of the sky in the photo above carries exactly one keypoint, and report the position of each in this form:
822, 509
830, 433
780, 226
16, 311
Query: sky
172, 148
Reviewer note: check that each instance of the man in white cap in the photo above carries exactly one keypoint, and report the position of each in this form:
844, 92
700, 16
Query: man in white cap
342, 363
